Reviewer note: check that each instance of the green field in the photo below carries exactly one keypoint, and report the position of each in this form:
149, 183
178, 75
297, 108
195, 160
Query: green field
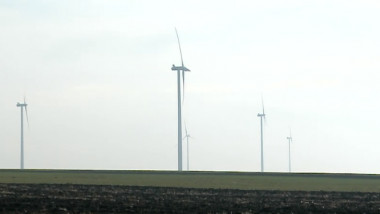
219, 180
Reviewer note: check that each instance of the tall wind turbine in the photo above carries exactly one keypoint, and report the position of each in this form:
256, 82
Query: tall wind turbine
22, 106
187, 136
179, 69
290, 139
262, 115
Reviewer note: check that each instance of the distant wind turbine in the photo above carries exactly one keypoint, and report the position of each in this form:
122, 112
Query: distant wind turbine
187, 136
262, 115
22, 106
180, 69
290, 139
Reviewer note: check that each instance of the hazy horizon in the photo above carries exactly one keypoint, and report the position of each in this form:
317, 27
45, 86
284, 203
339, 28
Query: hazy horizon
101, 93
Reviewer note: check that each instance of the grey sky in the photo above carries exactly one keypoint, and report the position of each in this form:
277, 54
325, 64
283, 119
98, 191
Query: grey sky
101, 95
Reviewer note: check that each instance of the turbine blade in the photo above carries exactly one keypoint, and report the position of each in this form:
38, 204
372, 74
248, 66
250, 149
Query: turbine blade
183, 86
186, 135
26, 113
183, 72
179, 45
185, 129
262, 103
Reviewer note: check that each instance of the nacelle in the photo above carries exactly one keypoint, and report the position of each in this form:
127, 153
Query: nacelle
179, 68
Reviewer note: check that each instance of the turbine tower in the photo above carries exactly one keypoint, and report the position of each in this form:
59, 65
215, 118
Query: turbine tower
290, 139
22, 106
180, 69
262, 116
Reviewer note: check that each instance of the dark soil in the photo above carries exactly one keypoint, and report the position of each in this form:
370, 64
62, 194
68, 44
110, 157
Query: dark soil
66, 198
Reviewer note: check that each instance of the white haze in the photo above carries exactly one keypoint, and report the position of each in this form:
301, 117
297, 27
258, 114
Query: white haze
101, 94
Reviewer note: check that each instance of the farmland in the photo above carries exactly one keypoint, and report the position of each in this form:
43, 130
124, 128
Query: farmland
216, 180
73, 191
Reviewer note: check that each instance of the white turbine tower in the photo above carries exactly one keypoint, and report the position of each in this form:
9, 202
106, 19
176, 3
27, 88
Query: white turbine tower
179, 69
22, 106
290, 140
187, 136
262, 116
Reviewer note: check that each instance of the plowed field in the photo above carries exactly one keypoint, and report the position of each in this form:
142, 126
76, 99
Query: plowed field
75, 198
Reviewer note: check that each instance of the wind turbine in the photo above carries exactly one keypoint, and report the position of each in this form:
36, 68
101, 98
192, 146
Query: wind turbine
179, 69
187, 136
290, 139
262, 115
22, 106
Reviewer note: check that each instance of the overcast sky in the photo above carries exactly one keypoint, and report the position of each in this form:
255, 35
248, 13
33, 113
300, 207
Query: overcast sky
101, 94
